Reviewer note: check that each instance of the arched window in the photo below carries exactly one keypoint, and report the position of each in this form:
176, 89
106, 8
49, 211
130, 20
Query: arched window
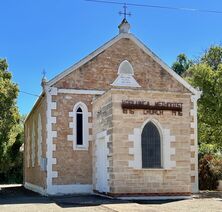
151, 146
80, 123
79, 126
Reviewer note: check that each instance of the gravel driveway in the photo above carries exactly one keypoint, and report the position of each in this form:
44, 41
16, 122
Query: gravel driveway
15, 198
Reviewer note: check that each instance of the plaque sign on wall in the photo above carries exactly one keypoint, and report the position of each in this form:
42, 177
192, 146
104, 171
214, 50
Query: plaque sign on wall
157, 108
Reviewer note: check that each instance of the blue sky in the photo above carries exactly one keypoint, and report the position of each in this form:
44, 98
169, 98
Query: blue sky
54, 34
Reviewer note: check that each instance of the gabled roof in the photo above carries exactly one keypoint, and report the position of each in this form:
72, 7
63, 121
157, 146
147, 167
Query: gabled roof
138, 43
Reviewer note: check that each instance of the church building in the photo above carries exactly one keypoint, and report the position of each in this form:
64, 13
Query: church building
119, 122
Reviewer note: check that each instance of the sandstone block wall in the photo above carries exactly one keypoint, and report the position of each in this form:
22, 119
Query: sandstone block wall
72, 166
101, 71
102, 123
128, 180
35, 175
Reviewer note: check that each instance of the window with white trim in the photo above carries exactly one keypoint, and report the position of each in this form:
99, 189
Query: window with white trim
151, 146
79, 127
80, 123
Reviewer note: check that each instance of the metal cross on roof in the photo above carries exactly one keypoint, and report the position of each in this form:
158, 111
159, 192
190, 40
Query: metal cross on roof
43, 74
125, 13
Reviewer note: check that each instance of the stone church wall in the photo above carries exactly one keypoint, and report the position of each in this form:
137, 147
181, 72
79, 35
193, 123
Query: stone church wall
68, 166
72, 166
33, 173
100, 72
102, 128
126, 175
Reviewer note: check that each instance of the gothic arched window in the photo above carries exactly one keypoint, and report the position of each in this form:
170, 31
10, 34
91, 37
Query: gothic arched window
151, 146
79, 126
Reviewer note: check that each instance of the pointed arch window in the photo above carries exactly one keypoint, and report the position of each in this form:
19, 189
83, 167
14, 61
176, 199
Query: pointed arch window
80, 123
79, 126
151, 146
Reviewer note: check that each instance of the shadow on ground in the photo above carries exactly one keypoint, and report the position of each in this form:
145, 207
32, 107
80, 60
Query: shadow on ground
20, 195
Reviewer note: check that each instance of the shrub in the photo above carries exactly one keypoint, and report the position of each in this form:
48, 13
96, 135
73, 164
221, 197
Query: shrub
12, 169
209, 149
210, 171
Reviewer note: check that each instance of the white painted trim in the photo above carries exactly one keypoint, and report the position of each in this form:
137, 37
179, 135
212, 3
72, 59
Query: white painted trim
71, 189
102, 184
35, 188
49, 138
193, 148
53, 105
34, 106
76, 91
71, 137
136, 151
193, 173
192, 112
61, 189
125, 76
110, 43
150, 91
124, 80
195, 185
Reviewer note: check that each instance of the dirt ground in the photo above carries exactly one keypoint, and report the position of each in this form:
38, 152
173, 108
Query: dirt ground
15, 198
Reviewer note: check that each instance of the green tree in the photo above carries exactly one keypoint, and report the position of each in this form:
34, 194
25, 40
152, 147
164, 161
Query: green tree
207, 76
182, 64
10, 127
212, 57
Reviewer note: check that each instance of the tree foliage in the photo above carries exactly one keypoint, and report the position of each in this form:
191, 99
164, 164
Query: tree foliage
206, 75
213, 57
182, 64
11, 130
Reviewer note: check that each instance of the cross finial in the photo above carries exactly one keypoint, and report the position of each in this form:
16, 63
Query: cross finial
44, 80
125, 13
43, 74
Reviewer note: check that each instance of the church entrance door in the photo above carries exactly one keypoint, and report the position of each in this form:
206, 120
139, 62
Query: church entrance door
101, 166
